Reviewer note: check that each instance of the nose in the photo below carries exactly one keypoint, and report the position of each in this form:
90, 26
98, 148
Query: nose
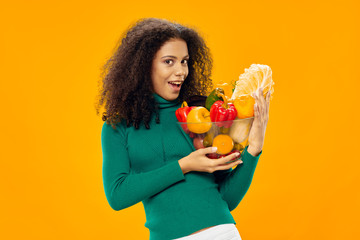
181, 71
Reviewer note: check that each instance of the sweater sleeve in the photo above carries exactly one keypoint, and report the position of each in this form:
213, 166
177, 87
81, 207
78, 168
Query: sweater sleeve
233, 184
124, 188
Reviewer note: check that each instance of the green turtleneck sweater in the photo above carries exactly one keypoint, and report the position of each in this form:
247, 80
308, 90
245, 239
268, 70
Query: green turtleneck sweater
142, 165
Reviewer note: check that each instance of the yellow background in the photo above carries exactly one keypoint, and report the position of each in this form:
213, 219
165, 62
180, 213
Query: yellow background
306, 185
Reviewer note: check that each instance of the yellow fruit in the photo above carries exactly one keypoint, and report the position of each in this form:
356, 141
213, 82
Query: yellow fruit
256, 76
224, 144
244, 106
198, 120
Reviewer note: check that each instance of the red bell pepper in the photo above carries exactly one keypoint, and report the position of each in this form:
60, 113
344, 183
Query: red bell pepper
222, 111
182, 113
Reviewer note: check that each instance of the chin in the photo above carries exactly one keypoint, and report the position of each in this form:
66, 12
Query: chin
171, 97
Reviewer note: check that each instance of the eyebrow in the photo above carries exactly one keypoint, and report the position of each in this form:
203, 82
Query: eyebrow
173, 56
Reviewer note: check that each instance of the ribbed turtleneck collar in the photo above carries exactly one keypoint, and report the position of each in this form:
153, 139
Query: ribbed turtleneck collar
163, 103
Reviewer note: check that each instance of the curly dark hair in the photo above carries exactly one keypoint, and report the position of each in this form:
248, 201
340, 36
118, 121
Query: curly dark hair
126, 76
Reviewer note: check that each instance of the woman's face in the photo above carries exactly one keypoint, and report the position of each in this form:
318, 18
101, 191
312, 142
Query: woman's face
170, 68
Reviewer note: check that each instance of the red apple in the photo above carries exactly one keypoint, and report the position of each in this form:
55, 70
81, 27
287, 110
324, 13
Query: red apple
198, 143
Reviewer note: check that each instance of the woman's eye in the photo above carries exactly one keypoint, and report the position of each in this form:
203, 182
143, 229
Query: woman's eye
185, 61
169, 61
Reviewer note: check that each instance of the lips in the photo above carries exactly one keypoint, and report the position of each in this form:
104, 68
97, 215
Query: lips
178, 83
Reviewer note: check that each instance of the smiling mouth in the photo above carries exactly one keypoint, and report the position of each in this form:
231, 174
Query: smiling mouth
176, 83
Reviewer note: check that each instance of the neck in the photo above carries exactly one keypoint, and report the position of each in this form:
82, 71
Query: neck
163, 103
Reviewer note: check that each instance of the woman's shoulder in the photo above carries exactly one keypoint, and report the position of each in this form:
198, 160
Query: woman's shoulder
113, 135
115, 127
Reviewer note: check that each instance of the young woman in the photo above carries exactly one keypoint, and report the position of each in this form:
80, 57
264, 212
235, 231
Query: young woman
146, 156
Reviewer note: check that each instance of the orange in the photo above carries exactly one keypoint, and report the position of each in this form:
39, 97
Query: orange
224, 144
256, 76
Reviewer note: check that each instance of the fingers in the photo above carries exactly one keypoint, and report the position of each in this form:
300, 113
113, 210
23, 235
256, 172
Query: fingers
256, 110
220, 163
228, 166
262, 102
268, 102
268, 96
207, 150
260, 107
228, 158
261, 96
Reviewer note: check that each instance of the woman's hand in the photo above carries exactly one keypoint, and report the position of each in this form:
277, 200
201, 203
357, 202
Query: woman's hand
257, 131
198, 161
